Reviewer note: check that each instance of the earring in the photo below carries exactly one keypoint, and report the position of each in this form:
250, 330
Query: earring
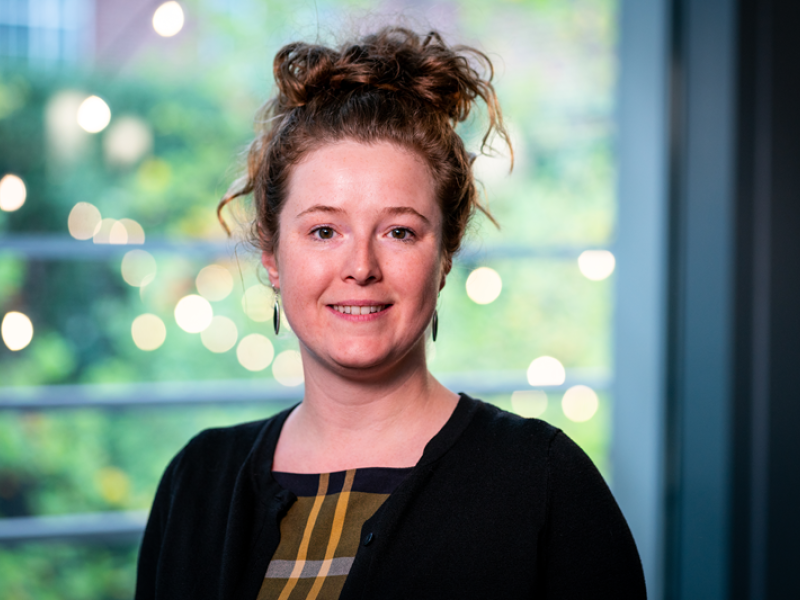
276, 315
435, 324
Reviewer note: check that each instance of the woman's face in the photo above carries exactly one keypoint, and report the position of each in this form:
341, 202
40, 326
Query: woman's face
359, 264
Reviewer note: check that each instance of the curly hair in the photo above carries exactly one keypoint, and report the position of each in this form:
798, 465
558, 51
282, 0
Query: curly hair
394, 85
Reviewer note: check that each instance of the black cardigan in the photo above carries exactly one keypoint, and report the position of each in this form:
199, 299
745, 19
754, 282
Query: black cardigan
497, 507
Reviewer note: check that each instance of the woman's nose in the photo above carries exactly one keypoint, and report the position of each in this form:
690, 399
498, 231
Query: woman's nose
362, 264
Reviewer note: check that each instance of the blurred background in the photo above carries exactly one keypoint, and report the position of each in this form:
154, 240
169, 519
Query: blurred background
639, 293
130, 322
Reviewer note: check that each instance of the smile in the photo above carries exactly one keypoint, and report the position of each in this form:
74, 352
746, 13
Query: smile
358, 310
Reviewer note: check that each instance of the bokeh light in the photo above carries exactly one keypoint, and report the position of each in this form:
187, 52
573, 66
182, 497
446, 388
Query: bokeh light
12, 193
84, 221
118, 234
66, 140
288, 368
257, 302
193, 313
529, 403
127, 141
214, 282
148, 332
168, 19
16, 330
430, 350
110, 231
484, 285
94, 114
546, 370
113, 484
596, 264
138, 268
221, 335
255, 352
579, 403
134, 231
492, 170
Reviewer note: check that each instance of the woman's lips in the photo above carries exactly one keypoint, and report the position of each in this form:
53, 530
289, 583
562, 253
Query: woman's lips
350, 309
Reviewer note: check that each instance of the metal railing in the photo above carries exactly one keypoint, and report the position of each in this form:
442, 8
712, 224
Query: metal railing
105, 527
243, 391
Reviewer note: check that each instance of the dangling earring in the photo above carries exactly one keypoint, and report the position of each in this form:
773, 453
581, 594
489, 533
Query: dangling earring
435, 324
276, 315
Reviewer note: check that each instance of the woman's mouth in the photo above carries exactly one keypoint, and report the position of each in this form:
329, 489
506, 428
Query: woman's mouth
359, 310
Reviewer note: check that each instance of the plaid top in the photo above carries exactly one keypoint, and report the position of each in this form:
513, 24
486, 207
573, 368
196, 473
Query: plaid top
321, 532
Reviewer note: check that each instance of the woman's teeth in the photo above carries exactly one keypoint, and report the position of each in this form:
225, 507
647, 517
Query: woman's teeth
358, 310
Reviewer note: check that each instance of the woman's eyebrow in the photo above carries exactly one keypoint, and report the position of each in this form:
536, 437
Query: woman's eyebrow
393, 210
321, 208
405, 210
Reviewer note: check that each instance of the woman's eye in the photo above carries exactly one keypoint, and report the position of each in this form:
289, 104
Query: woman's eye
324, 233
400, 233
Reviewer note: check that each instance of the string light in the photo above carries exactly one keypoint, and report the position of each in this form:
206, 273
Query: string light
484, 285
138, 268
168, 19
12, 193
255, 352
288, 368
257, 303
596, 264
148, 332
193, 313
16, 330
220, 335
579, 403
84, 221
94, 114
127, 141
134, 231
214, 282
546, 370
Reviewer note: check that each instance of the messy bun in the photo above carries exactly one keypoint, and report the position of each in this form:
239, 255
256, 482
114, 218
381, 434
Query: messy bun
394, 86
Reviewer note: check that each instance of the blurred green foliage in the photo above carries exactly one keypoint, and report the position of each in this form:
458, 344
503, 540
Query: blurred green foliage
59, 571
555, 70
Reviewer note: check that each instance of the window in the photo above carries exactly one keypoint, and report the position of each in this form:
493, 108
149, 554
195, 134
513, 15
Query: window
148, 325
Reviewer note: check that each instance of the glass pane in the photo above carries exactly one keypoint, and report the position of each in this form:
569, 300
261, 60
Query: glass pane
125, 295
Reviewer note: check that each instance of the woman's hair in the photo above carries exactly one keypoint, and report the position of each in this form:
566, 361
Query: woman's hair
395, 86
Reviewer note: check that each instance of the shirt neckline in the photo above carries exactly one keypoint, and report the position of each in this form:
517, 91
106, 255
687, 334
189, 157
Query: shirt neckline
340, 472
264, 446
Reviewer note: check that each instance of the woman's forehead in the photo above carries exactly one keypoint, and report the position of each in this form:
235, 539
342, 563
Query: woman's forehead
352, 176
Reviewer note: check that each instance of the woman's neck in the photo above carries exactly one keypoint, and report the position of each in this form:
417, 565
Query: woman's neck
345, 422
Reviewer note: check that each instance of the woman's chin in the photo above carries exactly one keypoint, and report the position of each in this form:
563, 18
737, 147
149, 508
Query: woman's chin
353, 362
358, 361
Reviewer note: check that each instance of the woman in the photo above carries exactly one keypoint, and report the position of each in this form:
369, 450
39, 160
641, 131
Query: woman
382, 483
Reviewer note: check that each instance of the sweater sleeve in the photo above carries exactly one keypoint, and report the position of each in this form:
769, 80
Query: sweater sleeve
150, 549
587, 548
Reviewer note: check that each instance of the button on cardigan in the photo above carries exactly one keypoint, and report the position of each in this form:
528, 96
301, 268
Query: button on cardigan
497, 507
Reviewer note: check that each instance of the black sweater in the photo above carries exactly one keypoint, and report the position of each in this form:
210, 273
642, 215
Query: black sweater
497, 507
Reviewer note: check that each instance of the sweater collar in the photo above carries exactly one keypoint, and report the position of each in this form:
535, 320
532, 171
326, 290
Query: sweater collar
264, 447
451, 431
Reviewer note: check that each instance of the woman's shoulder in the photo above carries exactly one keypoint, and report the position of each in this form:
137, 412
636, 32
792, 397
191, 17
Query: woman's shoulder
219, 450
492, 422
500, 437
231, 439
481, 436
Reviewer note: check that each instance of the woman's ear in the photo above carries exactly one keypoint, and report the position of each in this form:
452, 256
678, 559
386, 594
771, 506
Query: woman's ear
446, 266
271, 265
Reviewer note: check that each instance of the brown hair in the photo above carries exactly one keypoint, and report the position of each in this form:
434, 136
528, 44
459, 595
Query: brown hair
395, 86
